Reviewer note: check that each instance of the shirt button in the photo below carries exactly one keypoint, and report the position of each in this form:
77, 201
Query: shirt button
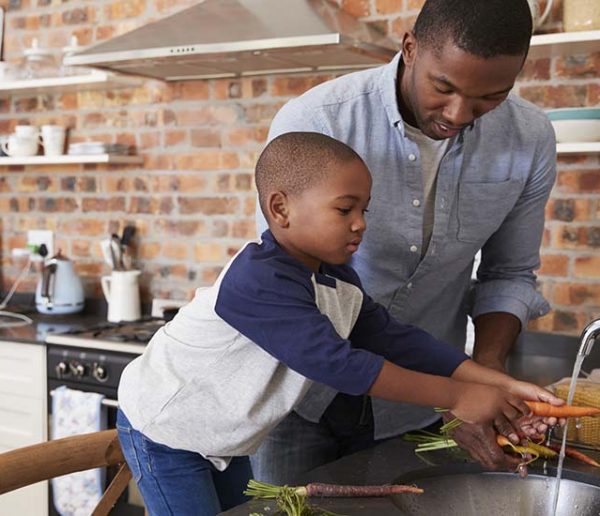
409, 285
413, 248
412, 157
416, 202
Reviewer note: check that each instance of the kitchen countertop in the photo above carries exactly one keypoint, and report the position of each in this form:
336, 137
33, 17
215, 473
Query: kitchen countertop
383, 464
43, 324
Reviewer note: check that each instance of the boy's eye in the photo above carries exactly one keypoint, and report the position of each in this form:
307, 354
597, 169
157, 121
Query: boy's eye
344, 211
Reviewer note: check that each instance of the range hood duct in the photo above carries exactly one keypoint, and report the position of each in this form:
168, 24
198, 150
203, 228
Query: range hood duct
232, 38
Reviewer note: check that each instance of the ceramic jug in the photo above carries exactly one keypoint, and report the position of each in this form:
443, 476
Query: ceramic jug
122, 292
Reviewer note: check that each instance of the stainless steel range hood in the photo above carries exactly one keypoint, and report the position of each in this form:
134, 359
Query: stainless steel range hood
229, 38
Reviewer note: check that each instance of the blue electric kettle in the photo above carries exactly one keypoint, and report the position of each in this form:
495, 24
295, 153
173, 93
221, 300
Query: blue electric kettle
59, 290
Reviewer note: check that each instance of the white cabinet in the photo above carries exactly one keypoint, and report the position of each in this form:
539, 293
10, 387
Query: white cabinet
23, 418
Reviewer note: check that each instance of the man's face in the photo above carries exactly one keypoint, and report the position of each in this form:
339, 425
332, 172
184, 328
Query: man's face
447, 89
326, 221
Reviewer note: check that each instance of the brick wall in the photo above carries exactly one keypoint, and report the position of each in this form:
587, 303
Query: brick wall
193, 200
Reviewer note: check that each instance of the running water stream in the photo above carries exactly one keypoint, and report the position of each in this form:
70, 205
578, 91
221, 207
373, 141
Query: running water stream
561, 457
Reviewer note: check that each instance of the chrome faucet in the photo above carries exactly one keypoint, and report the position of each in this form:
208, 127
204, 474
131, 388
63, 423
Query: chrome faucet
588, 337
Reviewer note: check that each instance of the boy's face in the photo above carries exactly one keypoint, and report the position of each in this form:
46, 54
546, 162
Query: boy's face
325, 223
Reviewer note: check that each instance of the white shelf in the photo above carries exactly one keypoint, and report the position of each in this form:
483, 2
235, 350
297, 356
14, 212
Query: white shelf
578, 148
564, 43
69, 159
90, 81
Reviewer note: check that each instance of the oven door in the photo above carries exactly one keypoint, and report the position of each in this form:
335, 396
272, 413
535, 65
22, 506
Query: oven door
130, 502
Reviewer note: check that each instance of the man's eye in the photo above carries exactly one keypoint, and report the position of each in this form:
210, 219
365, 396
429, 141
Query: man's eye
442, 91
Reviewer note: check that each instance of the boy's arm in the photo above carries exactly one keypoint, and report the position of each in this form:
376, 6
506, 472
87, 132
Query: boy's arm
470, 402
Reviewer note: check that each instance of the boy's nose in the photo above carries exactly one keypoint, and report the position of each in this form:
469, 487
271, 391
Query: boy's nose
359, 224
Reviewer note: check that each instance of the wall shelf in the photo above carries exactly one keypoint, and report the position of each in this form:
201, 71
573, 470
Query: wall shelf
564, 43
70, 83
578, 148
67, 159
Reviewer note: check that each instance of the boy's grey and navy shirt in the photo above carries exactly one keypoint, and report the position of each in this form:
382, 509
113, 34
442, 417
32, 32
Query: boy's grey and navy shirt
242, 354
492, 185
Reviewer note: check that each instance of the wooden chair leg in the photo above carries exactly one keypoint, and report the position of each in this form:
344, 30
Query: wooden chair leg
113, 491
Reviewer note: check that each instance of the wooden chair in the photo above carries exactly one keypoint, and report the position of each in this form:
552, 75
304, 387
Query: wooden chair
25, 466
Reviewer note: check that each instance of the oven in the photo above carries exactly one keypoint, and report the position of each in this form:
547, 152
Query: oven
92, 360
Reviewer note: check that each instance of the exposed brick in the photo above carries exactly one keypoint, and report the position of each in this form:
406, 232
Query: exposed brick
357, 8
295, 85
83, 227
111, 204
151, 205
245, 136
388, 6
205, 138
186, 228
208, 205
149, 250
576, 294
554, 265
175, 250
578, 66
124, 9
209, 252
415, 4
555, 96
535, 70
175, 137
588, 267
210, 115
54, 204
568, 210
578, 181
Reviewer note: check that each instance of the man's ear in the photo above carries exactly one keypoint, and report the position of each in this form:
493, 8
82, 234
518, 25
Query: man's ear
278, 208
409, 48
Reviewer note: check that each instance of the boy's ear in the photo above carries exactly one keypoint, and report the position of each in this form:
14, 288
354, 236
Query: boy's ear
278, 208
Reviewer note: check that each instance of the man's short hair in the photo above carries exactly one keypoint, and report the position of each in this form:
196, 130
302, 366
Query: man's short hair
485, 28
295, 161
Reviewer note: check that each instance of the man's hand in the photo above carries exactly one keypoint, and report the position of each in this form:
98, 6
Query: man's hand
480, 442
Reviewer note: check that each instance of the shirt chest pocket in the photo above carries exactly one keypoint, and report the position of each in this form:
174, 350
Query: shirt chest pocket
483, 206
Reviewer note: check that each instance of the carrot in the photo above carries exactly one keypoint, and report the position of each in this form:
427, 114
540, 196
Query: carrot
575, 454
334, 490
546, 410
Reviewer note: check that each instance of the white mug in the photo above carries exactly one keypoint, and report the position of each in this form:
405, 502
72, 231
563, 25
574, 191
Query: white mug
27, 131
122, 292
18, 146
53, 140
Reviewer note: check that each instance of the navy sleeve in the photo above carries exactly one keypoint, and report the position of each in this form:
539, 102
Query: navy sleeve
271, 301
402, 344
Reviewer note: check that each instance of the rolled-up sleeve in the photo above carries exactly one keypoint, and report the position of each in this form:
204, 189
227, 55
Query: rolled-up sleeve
506, 281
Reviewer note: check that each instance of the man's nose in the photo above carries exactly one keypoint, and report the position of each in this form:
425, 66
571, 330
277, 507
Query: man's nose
459, 112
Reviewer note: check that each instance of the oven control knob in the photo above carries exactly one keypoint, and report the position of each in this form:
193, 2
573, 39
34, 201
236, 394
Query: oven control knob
99, 372
62, 369
78, 369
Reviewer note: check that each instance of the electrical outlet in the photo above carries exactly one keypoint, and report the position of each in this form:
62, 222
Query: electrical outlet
37, 237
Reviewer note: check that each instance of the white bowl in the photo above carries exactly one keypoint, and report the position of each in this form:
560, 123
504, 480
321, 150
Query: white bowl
569, 131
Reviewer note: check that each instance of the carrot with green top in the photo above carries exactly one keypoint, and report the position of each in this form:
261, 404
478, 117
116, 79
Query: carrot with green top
563, 411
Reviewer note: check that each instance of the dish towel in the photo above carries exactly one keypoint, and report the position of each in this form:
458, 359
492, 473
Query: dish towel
73, 413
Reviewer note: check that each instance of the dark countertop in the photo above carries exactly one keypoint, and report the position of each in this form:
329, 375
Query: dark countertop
43, 324
383, 464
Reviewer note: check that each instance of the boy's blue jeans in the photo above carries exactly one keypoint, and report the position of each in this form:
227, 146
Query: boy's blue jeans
178, 482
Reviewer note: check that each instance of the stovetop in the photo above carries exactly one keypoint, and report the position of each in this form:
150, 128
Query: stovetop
126, 337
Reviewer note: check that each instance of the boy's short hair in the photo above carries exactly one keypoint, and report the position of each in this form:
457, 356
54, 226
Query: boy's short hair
295, 161
485, 28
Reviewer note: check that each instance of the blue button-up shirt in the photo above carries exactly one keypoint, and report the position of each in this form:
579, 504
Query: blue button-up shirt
492, 186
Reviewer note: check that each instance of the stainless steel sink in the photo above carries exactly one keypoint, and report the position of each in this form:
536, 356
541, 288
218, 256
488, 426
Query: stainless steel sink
456, 493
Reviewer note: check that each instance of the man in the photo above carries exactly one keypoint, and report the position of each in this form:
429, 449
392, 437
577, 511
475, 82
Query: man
458, 166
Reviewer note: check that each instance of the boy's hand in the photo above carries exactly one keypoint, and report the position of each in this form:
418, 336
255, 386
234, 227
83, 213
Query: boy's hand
479, 403
533, 425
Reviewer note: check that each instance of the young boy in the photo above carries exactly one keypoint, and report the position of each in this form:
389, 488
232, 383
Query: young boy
286, 311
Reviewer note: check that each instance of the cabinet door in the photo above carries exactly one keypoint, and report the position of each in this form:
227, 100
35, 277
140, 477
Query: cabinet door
23, 418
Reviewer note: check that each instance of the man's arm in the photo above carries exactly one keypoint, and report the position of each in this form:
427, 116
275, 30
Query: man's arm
495, 334
505, 295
